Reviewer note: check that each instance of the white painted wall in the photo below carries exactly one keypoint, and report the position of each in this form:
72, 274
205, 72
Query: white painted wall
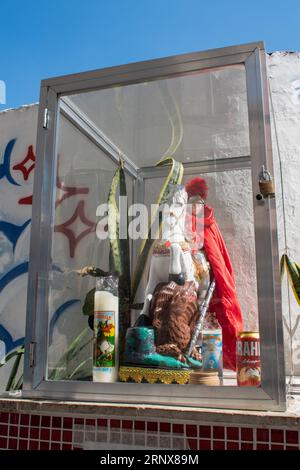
284, 74
20, 124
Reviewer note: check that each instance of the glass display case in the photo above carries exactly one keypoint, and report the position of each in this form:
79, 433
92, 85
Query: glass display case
154, 185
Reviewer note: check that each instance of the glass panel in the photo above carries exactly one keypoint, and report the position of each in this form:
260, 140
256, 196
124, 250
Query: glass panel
195, 117
84, 174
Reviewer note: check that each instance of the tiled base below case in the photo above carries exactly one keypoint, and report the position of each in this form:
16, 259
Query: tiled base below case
36, 432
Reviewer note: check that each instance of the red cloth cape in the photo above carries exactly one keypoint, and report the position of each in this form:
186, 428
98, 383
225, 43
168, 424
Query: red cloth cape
224, 301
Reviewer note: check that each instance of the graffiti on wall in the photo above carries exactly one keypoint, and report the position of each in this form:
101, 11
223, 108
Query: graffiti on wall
11, 236
17, 164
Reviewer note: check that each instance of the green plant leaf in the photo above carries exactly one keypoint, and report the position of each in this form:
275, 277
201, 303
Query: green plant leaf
282, 266
124, 280
19, 384
293, 272
11, 355
76, 346
174, 116
12, 377
113, 223
84, 369
88, 306
120, 251
298, 269
125, 275
14, 372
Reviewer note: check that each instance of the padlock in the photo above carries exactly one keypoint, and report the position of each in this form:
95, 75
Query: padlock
266, 183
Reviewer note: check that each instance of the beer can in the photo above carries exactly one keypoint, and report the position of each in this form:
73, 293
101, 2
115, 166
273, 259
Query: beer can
248, 359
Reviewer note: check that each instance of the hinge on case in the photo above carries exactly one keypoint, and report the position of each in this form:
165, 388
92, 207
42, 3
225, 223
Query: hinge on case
46, 118
32, 354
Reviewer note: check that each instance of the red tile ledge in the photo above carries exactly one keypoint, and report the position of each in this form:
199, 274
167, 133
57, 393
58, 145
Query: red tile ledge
288, 419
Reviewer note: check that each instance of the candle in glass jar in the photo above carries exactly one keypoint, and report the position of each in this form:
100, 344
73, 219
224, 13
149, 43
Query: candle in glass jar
106, 322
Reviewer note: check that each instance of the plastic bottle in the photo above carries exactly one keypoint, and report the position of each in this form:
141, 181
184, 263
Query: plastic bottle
212, 356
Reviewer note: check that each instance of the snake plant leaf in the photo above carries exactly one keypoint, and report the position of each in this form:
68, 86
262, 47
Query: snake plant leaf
120, 251
174, 177
293, 273
113, 223
83, 370
9, 356
124, 280
11, 383
298, 268
125, 275
76, 346
88, 306
172, 110
119, 247
118, 181
19, 384
282, 266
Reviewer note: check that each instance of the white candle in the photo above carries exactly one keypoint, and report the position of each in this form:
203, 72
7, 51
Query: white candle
106, 347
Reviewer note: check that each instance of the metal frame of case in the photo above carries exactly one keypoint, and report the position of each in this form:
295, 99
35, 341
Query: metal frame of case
53, 99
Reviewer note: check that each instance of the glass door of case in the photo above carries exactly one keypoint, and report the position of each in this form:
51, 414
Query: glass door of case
192, 313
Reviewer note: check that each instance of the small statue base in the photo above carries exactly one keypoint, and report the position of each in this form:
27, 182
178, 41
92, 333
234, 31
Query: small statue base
140, 351
149, 375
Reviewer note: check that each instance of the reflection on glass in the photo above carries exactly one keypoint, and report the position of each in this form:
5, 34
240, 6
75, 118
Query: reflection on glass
194, 117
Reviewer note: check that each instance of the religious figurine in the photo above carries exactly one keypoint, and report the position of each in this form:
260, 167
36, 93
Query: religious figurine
171, 259
171, 299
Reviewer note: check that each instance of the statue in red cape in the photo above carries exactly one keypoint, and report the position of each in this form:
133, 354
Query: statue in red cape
224, 302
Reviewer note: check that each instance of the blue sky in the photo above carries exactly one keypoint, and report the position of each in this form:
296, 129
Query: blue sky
44, 38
